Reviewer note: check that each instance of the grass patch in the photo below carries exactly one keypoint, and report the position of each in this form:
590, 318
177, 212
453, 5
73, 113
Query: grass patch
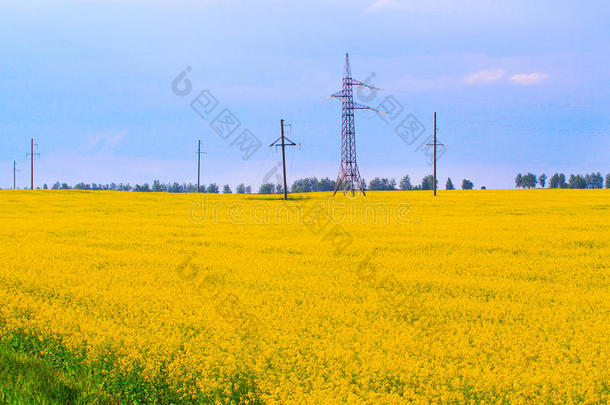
44, 371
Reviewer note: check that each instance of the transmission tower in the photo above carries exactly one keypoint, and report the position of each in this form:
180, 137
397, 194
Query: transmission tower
349, 175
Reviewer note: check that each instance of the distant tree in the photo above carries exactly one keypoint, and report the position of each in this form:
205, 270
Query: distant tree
56, 186
554, 181
212, 188
176, 188
405, 183
542, 180
65, 186
325, 184
427, 183
305, 185
529, 180
279, 189
241, 189
226, 189
467, 184
483, 188
594, 180
562, 181
382, 184
577, 181
44, 186
266, 188
248, 190
608, 180
156, 187
449, 185
519, 181
82, 186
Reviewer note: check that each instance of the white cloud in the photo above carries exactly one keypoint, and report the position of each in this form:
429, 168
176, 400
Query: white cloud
103, 141
384, 5
380, 5
485, 76
528, 79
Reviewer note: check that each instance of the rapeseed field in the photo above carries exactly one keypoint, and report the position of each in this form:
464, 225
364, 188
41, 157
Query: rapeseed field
398, 297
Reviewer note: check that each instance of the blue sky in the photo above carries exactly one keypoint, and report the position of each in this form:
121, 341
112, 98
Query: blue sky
521, 86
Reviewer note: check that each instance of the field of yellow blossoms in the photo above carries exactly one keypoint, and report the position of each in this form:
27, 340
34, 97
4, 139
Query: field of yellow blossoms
398, 297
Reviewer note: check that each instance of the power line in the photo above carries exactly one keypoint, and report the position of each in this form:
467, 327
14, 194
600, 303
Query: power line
283, 143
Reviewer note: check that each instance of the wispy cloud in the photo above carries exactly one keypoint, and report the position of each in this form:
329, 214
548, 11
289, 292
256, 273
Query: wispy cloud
528, 79
485, 76
386, 5
380, 5
104, 141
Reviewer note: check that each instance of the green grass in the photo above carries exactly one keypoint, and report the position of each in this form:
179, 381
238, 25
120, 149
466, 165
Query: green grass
43, 371
27, 377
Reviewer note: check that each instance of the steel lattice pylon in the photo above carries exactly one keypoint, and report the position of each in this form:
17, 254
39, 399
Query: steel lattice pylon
349, 175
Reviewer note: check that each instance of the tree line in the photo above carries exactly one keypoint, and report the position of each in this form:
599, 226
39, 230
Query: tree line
312, 184
559, 180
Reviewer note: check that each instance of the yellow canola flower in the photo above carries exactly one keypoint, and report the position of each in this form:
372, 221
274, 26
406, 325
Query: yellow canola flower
471, 297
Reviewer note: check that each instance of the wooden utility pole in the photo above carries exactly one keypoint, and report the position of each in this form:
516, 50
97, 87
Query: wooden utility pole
199, 152
283, 144
435, 144
31, 155
198, 165
14, 174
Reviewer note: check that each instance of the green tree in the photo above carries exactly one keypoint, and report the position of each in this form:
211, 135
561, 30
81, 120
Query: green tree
519, 181
157, 186
325, 184
595, 180
449, 185
608, 180
529, 180
213, 188
577, 181
382, 184
542, 180
305, 185
562, 181
226, 189
405, 183
467, 184
266, 188
427, 183
554, 181
241, 189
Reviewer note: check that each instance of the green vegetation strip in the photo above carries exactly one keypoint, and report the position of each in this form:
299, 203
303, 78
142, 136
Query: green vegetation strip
44, 371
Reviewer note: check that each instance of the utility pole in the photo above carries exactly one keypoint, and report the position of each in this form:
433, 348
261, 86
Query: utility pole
283, 144
199, 152
14, 174
31, 155
435, 144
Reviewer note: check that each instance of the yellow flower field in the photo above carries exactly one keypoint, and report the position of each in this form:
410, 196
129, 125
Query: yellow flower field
399, 297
